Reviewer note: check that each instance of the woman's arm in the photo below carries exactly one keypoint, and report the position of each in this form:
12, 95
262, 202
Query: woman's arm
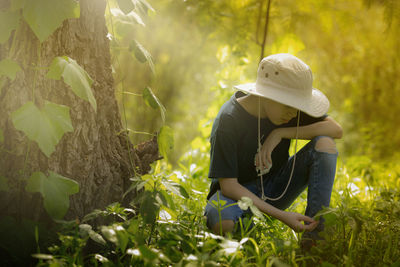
232, 189
327, 127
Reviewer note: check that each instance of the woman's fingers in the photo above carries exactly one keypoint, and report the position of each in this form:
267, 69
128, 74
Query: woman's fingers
307, 219
295, 221
266, 159
312, 223
310, 227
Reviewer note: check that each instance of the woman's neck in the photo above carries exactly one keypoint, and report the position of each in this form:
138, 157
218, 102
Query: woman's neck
250, 104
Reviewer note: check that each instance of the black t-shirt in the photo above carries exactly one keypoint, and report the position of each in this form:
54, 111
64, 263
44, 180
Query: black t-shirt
234, 138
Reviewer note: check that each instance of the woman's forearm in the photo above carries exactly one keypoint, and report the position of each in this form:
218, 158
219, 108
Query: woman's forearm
233, 190
327, 127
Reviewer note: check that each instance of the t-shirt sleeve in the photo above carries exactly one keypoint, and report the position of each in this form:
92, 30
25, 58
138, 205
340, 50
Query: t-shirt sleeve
305, 119
223, 151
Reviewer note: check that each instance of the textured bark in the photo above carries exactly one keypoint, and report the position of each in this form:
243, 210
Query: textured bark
97, 153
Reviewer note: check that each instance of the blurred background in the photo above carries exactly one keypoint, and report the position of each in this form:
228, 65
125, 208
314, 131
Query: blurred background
191, 52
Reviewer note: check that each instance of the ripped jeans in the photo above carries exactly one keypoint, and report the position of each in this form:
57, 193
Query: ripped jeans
314, 169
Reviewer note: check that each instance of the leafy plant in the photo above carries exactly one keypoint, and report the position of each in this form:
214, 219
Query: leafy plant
9, 68
44, 126
45, 16
75, 76
55, 190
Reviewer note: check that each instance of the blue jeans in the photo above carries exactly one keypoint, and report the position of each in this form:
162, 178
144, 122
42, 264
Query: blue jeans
313, 168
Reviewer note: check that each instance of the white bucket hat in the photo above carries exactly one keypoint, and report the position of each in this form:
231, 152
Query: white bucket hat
286, 79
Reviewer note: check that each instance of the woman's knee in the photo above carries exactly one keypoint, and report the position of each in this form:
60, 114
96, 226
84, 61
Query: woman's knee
325, 144
224, 216
225, 226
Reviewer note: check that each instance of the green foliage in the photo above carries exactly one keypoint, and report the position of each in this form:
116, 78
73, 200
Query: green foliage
86, 230
9, 68
361, 229
149, 207
182, 58
55, 190
165, 141
142, 54
45, 16
8, 22
44, 126
125, 22
128, 5
75, 76
152, 101
392, 10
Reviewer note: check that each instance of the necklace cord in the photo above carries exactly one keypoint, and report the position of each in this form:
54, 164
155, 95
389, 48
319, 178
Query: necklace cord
260, 173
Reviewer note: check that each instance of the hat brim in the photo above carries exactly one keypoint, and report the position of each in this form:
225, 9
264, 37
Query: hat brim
315, 105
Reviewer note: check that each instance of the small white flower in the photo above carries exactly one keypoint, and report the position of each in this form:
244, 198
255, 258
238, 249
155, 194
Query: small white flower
230, 246
245, 202
132, 251
191, 257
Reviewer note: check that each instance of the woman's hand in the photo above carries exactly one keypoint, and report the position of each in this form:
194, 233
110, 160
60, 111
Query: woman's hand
273, 139
294, 220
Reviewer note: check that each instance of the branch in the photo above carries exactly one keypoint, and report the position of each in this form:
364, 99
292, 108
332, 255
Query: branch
265, 30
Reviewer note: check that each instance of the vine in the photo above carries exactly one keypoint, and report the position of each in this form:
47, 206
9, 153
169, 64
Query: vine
165, 135
123, 99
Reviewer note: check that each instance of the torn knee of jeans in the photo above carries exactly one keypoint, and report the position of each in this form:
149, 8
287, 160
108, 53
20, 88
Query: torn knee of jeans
327, 145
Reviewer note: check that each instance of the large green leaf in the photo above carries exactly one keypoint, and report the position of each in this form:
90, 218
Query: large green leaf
116, 234
149, 255
124, 24
73, 75
149, 207
142, 54
55, 190
126, 5
9, 68
8, 22
86, 230
130, 19
46, 126
45, 16
175, 188
144, 5
168, 197
165, 141
152, 101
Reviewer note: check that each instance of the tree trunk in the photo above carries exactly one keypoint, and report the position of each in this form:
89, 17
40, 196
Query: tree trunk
97, 154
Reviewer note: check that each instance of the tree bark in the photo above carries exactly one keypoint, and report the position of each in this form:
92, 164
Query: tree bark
97, 154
